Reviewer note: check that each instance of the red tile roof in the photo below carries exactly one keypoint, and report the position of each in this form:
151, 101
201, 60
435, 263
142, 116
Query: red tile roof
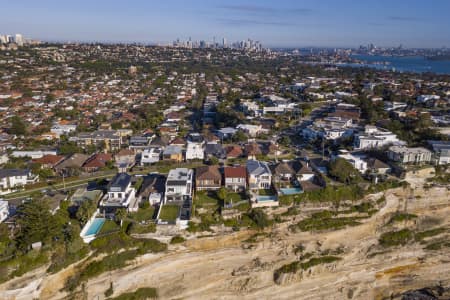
49, 159
235, 172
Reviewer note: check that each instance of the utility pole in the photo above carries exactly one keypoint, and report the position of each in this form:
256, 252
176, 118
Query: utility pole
64, 182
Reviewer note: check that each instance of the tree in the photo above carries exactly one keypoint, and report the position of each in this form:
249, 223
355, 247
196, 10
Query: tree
343, 171
85, 211
18, 126
36, 223
222, 193
240, 136
121, 214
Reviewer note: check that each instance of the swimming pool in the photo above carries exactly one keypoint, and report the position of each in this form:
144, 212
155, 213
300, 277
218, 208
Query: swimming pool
291, 191
266, 198
95, 226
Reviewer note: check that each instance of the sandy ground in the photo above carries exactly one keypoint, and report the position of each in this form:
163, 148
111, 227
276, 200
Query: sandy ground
222, 268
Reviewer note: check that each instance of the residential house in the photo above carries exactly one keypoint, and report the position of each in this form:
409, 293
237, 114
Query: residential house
125, 159
63, 129
152, 188
150, 156
259, 175
71, 165
225, 133
235, 178
252, 130
4, 210
178, 142
34, 154
194, 151
374, 137
159, 142
12, 178
110, 140
234, 151
139, 143
121, 194
378, 167
356, 161
173, 153
441, 151
179, 185
252, 151
208, 178
96, 162
4, 158
49, 161
406, 155
214, 150
294, 170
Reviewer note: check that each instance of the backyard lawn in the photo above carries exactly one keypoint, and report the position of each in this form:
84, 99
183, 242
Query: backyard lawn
204, 198
143, 214
109, 226
169, 212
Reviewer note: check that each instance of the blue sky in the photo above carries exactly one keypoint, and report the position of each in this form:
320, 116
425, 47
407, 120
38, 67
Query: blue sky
280, 23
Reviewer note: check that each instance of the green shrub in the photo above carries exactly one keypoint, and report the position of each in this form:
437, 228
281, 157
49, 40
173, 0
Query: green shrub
136, 228
139, 294
395, 238
419, 236
400, 217
110, 290
324, 220
177, 239
297, 265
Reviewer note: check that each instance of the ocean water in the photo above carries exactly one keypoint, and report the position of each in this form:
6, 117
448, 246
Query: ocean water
416, 64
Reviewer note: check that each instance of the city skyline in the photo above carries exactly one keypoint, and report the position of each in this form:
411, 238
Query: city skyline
276, 24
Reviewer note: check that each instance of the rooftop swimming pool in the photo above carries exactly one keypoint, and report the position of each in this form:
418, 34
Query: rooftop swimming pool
95, 226
291, 191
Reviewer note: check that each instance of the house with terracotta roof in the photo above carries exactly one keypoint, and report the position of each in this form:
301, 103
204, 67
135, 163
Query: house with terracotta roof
208, 178
49, 161
252, 151
96, 162
234, 151
235, 178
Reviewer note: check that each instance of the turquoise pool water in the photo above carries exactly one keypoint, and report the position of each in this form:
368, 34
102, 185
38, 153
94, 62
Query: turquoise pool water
95, 226
291, 191
266, 198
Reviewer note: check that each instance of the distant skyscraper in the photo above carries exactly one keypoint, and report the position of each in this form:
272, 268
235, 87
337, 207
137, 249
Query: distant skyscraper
18, 39
224, 42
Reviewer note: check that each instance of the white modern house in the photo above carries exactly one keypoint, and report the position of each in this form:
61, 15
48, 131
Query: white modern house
4, 210
374, 137
252, 130
409, 155
150, 156
62, 129
34, 154
357, 161
259, 175
121, 194
12, 178
179, 185
441, 151
426, 98
194, 151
